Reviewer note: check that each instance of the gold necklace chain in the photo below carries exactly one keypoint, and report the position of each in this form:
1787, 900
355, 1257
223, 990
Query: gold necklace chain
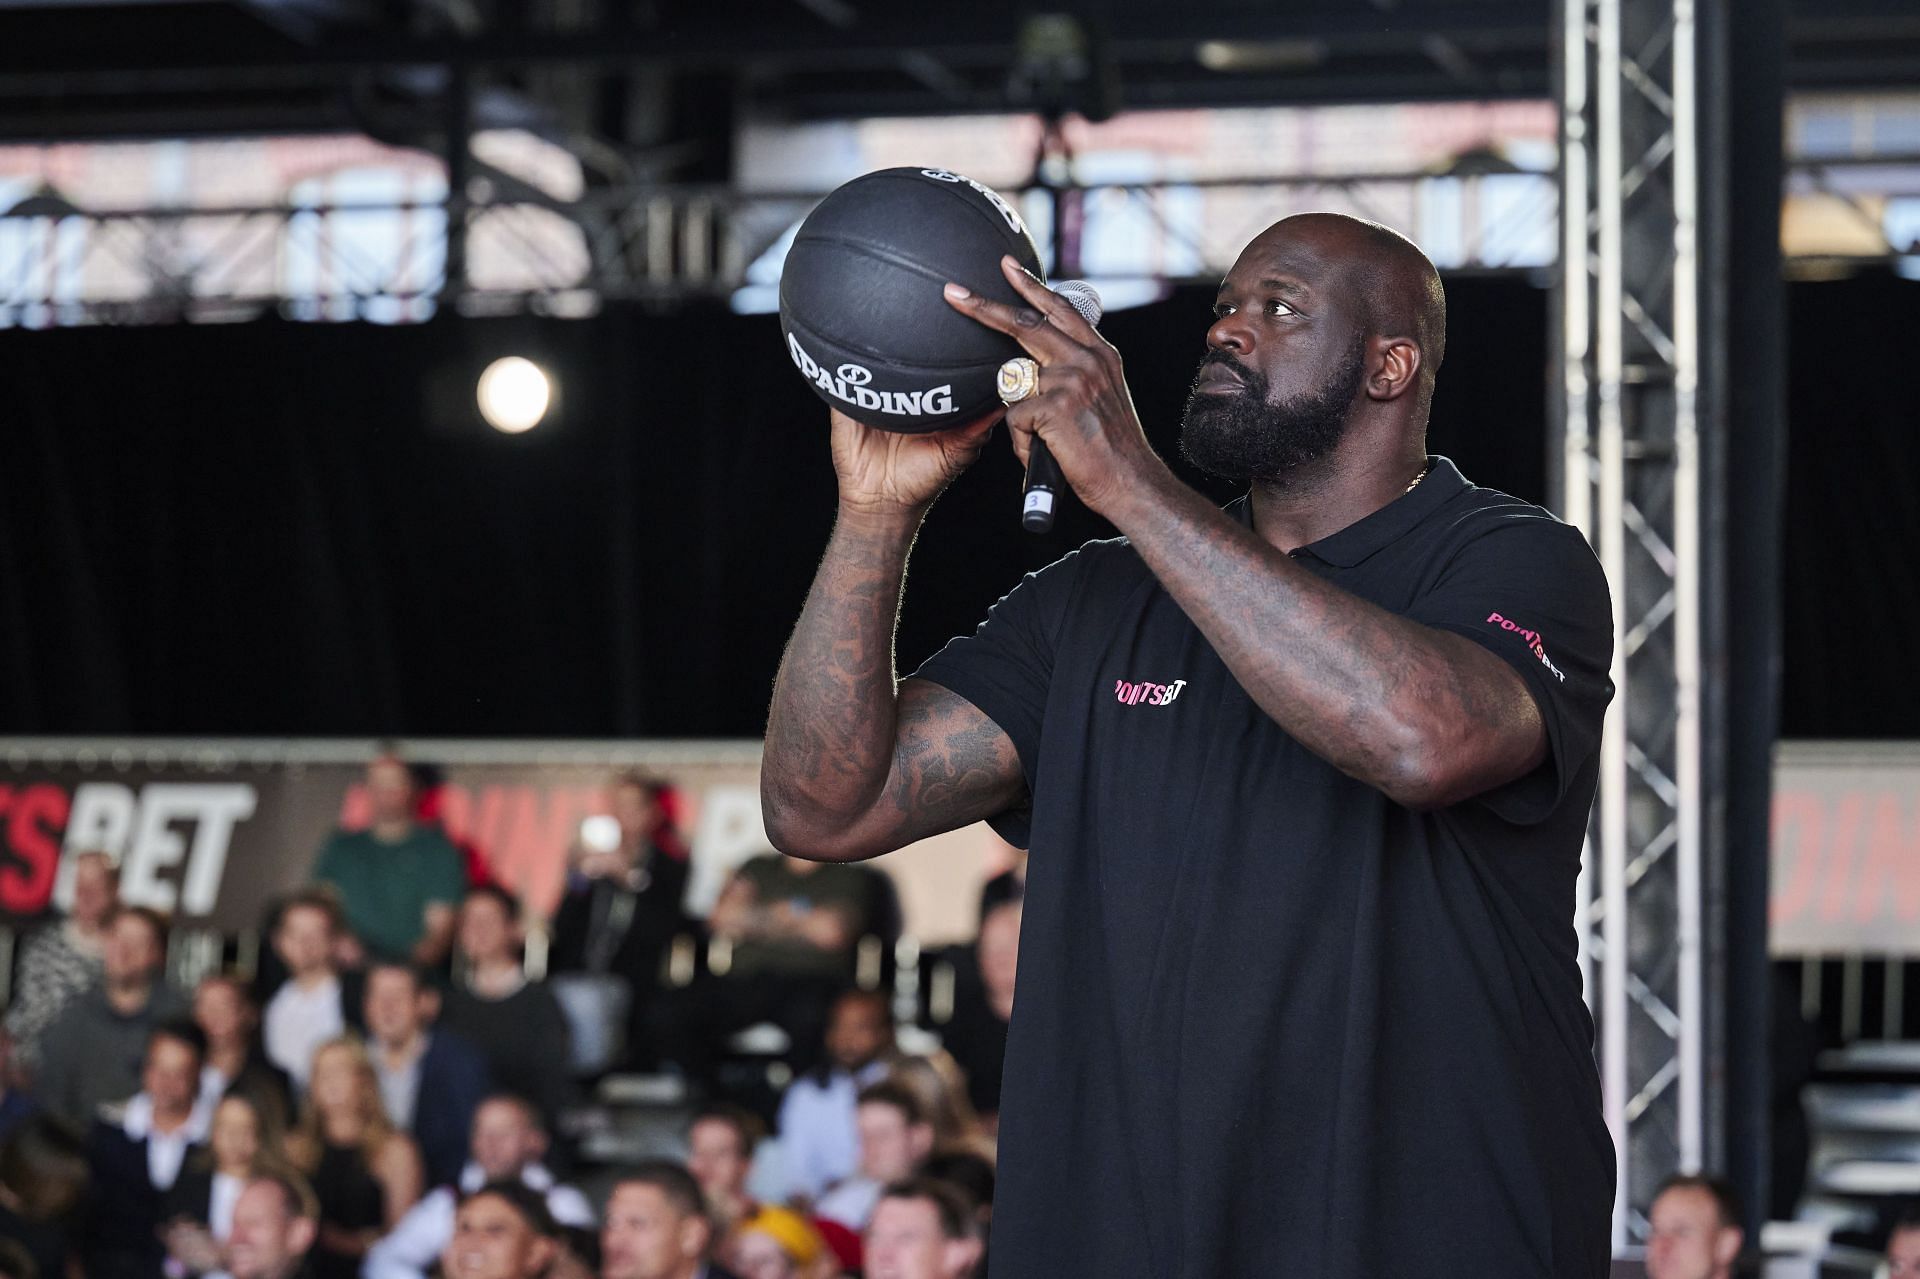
1417, 479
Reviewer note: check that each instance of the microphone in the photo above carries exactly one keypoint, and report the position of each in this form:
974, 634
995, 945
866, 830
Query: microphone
1044, 481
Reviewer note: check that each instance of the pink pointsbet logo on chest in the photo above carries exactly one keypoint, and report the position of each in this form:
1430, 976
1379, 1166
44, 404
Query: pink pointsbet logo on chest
1130, 693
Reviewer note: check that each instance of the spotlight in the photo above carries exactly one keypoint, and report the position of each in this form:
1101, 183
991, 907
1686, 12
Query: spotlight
514, 394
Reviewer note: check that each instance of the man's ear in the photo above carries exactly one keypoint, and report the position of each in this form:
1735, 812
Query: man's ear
301, 1234
1726, 1244
696, 1233
1399, 370
429, 1004
545, 1252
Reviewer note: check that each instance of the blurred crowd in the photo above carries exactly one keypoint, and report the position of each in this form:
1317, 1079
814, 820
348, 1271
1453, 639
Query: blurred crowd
406, 1082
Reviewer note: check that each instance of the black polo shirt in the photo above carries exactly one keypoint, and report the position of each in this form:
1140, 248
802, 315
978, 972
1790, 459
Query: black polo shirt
1270, 1022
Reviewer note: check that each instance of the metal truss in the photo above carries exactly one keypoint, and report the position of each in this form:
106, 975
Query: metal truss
525, 251
1631, 470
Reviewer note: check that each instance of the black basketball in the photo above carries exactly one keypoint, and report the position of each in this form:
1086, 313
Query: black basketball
861, 307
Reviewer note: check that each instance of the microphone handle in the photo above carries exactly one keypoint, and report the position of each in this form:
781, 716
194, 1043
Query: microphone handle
1043, 488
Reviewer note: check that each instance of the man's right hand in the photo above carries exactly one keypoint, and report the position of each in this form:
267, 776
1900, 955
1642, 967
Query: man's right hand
887, 473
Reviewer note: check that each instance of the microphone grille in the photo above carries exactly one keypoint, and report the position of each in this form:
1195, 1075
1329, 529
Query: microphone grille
1084, 298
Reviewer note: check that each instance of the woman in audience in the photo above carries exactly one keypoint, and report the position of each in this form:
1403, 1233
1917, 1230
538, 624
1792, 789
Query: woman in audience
245, 1142
778, 1243
940, 1086
365, 1173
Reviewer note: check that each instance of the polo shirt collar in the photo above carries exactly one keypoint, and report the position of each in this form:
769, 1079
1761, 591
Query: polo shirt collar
1362, 538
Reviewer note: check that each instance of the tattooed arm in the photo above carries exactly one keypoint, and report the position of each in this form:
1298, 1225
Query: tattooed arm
856, 762
1426, 716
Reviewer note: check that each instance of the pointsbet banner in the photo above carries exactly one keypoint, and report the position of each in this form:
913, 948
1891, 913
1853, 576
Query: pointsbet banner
213, 832
1846, 849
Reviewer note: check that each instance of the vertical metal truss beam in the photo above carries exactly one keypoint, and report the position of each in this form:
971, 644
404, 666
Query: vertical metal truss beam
1631, 480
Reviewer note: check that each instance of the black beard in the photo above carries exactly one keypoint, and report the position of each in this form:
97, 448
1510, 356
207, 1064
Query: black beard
1242, 436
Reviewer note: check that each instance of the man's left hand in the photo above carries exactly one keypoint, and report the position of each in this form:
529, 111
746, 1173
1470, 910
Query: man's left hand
1082, 407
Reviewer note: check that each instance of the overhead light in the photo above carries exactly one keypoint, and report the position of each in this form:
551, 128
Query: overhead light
1260, 55
514, 394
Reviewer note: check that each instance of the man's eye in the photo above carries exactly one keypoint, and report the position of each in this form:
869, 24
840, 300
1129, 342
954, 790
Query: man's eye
1276, 307
1221, 310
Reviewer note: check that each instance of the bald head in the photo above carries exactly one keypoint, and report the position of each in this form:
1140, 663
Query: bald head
1394, 289
1326, 337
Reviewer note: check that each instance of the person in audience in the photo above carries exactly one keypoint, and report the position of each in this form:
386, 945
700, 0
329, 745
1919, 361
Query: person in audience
399, 882
940, 1086
516, 1024
276, 1221
93, 1052
817, 1131
922, 1229
720, 1143
312, 1005
657, 1226
43, 1184
622, 906
365, 1172
977, 1035
509, 1142
776, 1243
502, 1231
63, 960
135, 1153
791, 928
1010, 885
245, 1141
224, 1010
895, 1139
1693, 1229
431, 1081
1903, 1247
15, 1105
16, 1262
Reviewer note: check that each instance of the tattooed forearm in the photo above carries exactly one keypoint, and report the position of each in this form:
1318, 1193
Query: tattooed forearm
1428, 717
853, 765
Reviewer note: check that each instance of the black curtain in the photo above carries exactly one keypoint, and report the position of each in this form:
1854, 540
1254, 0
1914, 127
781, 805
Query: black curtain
275, 528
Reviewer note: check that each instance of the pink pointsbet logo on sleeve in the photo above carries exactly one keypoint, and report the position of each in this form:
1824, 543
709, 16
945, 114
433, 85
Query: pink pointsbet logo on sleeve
1533, 642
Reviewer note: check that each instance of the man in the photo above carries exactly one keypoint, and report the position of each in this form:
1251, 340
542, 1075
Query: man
1309, 779
516, 1024
431, 1081
657, 1226
508, 1145
818, 1141
1903, 1248
502, 1231
791, 928
922, 1229
720, 1143
311, 1006
134, 1154
94, 1051
1693, 1229
399, 882
895, 1139
275, 1221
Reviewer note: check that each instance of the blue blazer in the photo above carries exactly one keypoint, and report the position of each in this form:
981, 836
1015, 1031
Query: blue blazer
453, 1083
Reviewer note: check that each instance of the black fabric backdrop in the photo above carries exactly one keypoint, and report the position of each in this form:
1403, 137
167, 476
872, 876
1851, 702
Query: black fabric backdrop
302, 529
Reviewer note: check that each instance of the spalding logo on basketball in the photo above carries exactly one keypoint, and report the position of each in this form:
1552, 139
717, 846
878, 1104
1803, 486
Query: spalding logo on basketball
860, 302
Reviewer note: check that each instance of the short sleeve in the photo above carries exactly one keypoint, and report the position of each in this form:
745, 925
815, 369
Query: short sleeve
448, 884
1005, 668
1529, 590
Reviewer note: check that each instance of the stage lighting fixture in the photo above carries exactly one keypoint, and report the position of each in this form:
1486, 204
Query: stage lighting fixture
514, 394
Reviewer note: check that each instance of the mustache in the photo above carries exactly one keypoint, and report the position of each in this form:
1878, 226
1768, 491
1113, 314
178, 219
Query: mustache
1216, 356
